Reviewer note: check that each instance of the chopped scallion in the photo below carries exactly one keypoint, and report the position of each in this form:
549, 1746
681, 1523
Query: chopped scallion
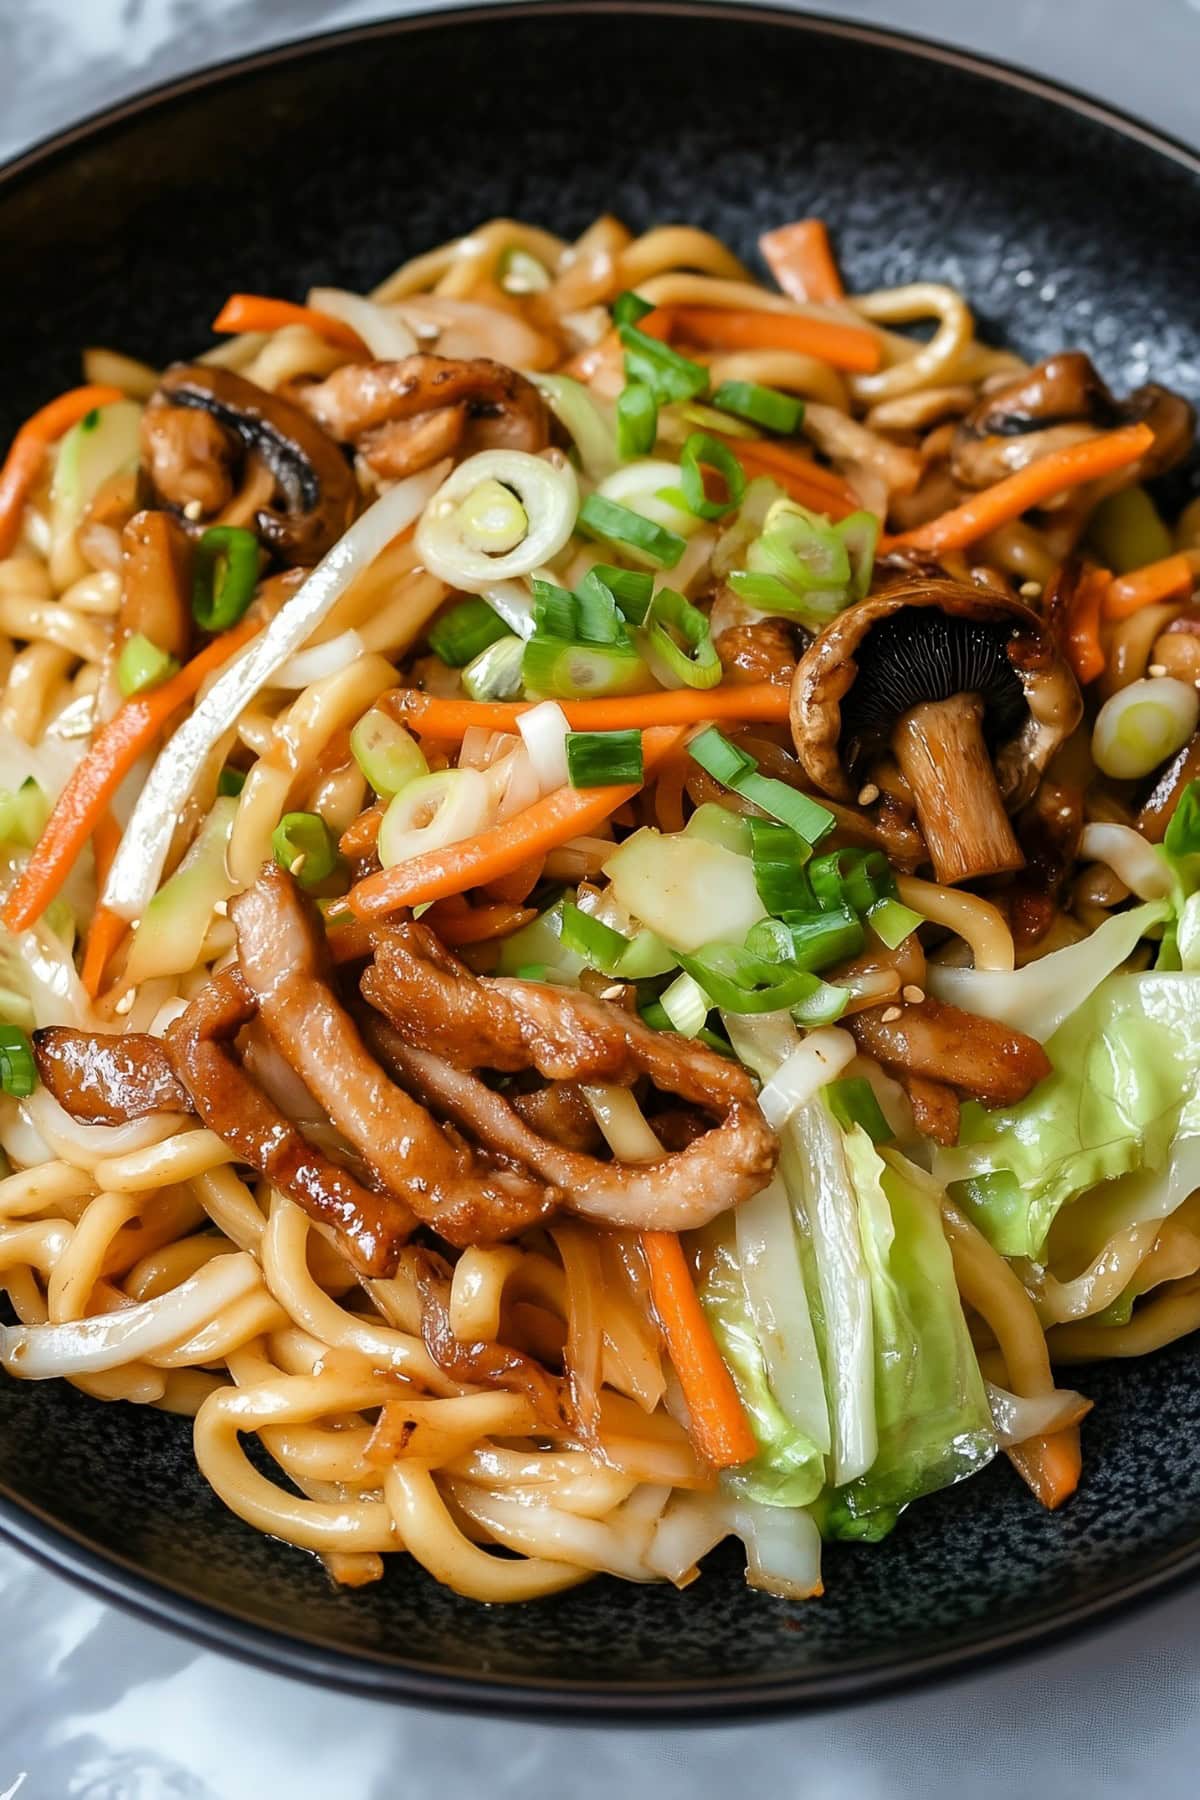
230, 783
668, 375
604, 758
694, 661
303, 844
686, 1005
893, 921
224, 577
630, 588
553, 669
761, 405
812, 940
590, 938
703, 452
852, 1102
629, 307
495, 674
731, 766
616, 524
856, 878
142, 666
18, 1071
637, 420
464, 632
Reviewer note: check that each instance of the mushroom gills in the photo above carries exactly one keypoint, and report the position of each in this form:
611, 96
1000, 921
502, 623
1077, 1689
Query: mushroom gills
940, 691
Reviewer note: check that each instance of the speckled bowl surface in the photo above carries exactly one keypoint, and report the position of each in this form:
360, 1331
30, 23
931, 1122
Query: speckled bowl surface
332, 162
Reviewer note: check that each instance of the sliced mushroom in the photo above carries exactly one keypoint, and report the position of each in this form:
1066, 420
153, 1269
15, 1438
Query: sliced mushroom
1059, 402
202, 427
966, 689
402, 416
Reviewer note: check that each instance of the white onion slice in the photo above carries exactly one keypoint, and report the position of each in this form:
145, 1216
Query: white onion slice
544, 729
381, 328
139, 861
89, 1346
307, 666
548, 491
1017, 1419
512, 602
820, 1058
433, 811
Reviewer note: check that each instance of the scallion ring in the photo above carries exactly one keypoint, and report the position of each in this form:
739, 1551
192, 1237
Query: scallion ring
703, 452
433, 811
544, 487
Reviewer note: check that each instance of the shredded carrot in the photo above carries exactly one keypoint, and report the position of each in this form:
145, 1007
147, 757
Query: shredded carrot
1084, 651
801, 259
731, 328
106, 929
1032, 486
360, 835
821, 490
256, 312
1051, 1466
85, 799
720, 1431
553, 820
449, 720
477, 924
27, 452
519, 884
1172, 578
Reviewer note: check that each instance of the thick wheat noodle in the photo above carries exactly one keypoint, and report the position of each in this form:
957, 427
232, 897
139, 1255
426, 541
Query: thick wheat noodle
791, 370
1171, 1314
987, 1283
430, 1534
293, 353
932, 364
32, 679
1129, 642
979, 923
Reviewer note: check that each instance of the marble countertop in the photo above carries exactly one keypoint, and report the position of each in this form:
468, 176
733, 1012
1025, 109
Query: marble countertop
96, 1705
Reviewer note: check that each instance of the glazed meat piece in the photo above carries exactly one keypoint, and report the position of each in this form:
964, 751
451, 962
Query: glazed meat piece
940, 1043
285, 967
108, 1080
368, 1227
403, 416
447, 1023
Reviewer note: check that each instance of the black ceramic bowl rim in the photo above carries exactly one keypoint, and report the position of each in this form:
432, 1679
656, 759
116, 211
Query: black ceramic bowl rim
121, 1582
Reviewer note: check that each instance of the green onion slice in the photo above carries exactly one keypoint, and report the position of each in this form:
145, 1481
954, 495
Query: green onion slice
142, 666
388, 755
607, 519
224, 577
590, 938
703, 452
694, 661
892, 921
734, 769
604, 758
668, 375
852, 1102
736, 980
629, 307
461, 634
637, 420
856, 878
23, 814
552, 669
303, 844
18, 1071
761, 405
495, 674
230, 783
812, 940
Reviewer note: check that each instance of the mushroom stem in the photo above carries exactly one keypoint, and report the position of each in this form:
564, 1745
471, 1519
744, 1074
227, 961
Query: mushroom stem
944, 759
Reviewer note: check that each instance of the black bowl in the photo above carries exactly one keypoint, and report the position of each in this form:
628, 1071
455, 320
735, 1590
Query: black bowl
333, 161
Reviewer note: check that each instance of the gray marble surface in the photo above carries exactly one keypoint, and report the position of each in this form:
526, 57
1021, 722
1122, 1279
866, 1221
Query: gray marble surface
95, 1705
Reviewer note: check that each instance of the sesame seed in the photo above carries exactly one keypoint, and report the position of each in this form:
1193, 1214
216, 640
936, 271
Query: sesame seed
868, 795
296, 866
612, 993
193, 510
913, 994
1157, 669
1030, 590
125, 1003
892, 1013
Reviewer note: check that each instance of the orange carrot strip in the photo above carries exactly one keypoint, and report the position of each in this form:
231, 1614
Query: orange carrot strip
106, 929
801, 259
553, 820
23, 464
83, 802
477, 924
1084, 651
730, 328
720, 1431
1051, 1466
1031, 486
449, 720
519, 884
1172, 578
256, 312
821, 490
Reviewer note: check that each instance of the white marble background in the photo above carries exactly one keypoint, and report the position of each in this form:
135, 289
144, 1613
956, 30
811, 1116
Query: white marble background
95, 1705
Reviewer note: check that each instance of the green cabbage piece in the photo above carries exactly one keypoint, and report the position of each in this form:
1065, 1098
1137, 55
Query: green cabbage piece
1126, 1074
931, 1408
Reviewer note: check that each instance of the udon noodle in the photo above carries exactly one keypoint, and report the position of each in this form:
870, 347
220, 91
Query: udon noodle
574, 830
